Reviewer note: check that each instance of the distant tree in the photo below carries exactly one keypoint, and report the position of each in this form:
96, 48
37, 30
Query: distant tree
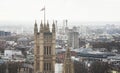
108, 45
79, 67
99, 67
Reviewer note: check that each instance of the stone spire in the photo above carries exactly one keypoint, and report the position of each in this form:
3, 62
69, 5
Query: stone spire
68, 64
35, 28
68, 55
53, 27
48, 26
41, 27
45, 27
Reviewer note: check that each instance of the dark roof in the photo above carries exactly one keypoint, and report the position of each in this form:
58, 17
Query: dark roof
94, 55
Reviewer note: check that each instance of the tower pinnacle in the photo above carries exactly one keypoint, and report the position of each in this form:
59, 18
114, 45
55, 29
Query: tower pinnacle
35, 28
41, 27
48, 26
53, 27
68, 64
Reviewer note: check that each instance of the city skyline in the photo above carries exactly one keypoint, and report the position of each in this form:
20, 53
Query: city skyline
59, 36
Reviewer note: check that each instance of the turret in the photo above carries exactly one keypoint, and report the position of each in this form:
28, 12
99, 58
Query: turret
35, 28
41, 27
45, 27
48, 27
53, 27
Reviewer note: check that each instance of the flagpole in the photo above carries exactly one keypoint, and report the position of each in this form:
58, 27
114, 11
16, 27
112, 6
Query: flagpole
44, 11
44, 15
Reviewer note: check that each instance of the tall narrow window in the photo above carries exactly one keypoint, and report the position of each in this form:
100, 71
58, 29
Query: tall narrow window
37, 50
45, 49
49, 50
45, 68
49, 66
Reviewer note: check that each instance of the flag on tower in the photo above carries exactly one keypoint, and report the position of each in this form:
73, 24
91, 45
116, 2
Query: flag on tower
42, 9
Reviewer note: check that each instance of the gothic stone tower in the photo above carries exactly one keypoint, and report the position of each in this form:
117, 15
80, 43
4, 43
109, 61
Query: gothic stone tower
44, 49
68, 64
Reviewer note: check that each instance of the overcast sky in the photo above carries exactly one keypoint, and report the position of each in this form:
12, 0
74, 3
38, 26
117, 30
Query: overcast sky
73, 10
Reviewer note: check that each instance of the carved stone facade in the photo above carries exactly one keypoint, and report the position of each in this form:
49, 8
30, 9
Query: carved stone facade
44, 48
68, 66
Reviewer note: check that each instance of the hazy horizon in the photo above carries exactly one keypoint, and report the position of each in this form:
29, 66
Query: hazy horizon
59, 22
29, 26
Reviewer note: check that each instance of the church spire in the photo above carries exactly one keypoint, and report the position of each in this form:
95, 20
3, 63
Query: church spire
35, 28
